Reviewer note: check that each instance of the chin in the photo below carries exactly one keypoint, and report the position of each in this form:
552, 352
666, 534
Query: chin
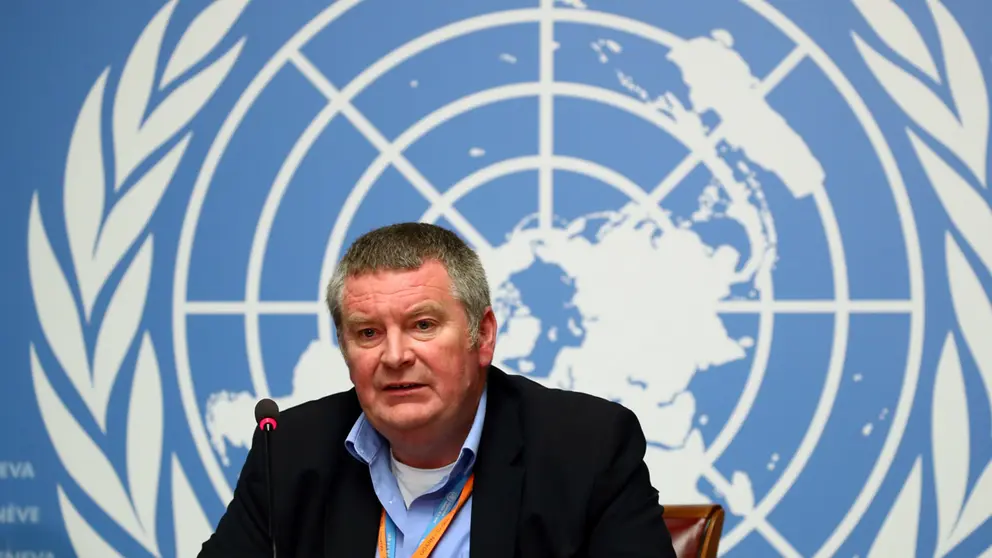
406, 420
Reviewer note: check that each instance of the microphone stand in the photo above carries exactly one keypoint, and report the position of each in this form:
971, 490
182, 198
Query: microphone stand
268, 481
266, 414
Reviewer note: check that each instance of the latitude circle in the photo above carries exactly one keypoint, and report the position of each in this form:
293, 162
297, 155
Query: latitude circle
913, 259
766, 316
828, 396
472, 101
638, 195
438, 117
602, 20
835, 367
739, 414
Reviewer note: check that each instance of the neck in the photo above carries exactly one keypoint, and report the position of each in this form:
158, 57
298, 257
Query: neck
422, 458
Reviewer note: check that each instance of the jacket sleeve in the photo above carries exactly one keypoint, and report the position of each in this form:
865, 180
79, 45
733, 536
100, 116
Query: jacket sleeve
243, 529
627, 517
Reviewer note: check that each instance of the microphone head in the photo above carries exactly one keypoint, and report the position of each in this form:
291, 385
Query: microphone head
266, 412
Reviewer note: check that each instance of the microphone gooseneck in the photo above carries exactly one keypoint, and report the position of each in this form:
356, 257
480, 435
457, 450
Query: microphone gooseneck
267, 417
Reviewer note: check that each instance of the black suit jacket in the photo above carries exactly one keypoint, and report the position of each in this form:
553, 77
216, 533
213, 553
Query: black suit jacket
558, 473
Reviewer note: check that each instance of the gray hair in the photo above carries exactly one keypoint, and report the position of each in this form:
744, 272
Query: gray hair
407, 246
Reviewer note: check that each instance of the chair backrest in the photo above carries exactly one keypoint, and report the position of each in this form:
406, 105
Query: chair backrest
695, 530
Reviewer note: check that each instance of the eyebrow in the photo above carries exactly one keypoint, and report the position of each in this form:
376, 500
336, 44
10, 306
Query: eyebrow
352, 320
428, 306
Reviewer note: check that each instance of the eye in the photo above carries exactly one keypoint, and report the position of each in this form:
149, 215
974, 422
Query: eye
424, 325
367, 332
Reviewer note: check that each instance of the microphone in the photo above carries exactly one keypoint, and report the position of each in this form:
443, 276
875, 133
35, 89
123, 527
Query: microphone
267, 416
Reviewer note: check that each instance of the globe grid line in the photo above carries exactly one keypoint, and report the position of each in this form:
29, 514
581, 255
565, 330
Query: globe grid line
191, 407
907, 223
262, 307
731, 306
429, 40
817, 306
824, 409
501, 18
689, 162
300, 148
762, 525
634, 192
389, 154
640, 109
519, 90
255, 261
821, 415
510, 91
373, 171
546, 115
584, 167
384, 146
824, 406
369, 131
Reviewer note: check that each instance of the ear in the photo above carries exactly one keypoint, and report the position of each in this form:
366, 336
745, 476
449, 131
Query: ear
487, 337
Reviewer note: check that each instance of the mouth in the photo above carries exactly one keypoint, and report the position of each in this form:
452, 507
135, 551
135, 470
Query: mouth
402, 389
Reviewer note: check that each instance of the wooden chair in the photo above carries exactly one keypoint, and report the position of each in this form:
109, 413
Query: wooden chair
695, 530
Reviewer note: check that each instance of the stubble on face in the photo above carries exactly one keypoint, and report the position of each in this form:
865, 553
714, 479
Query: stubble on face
406, 341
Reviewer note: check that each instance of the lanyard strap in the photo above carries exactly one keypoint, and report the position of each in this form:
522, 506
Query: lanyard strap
443, 516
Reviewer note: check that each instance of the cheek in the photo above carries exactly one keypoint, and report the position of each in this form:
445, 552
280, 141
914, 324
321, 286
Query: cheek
362, 366
447, 364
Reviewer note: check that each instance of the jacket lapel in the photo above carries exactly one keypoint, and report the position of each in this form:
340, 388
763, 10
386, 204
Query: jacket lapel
352, 510
499, 474
352, 514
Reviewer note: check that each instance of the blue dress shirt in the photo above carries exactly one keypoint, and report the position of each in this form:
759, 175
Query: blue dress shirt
365, 444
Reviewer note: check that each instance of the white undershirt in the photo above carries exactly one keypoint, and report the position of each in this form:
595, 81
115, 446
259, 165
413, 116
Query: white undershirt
415, 482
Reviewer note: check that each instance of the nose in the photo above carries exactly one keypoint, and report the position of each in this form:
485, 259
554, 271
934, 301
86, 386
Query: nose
396, 352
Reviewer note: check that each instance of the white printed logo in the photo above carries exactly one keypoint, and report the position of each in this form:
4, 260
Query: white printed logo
673, 305
107, 237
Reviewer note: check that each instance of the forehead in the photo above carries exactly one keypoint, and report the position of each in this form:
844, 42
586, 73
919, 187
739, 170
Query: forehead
397, 287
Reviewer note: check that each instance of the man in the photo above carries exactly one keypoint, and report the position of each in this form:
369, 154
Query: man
435, 451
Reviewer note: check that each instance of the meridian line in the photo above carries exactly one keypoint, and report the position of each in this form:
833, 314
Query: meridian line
673, 178
831, 384
689, 162
761, 525
546, 131
235, 307
386, 147
776, 539
781, 71
816, 306
583, 167
724, 307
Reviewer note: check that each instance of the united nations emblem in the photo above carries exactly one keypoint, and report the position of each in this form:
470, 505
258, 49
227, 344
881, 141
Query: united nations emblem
695, 215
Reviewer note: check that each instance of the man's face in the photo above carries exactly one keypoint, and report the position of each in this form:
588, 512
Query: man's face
406, 341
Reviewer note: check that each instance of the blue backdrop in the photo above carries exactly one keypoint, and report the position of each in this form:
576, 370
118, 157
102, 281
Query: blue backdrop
764, 226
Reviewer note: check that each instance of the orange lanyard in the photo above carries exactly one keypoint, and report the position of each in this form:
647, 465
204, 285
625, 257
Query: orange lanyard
435, 533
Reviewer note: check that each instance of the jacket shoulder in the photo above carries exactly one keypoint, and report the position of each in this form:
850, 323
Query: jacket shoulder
319, 423
570, 418
329, 406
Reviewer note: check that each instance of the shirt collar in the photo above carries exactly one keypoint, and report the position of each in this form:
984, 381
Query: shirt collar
364, 443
